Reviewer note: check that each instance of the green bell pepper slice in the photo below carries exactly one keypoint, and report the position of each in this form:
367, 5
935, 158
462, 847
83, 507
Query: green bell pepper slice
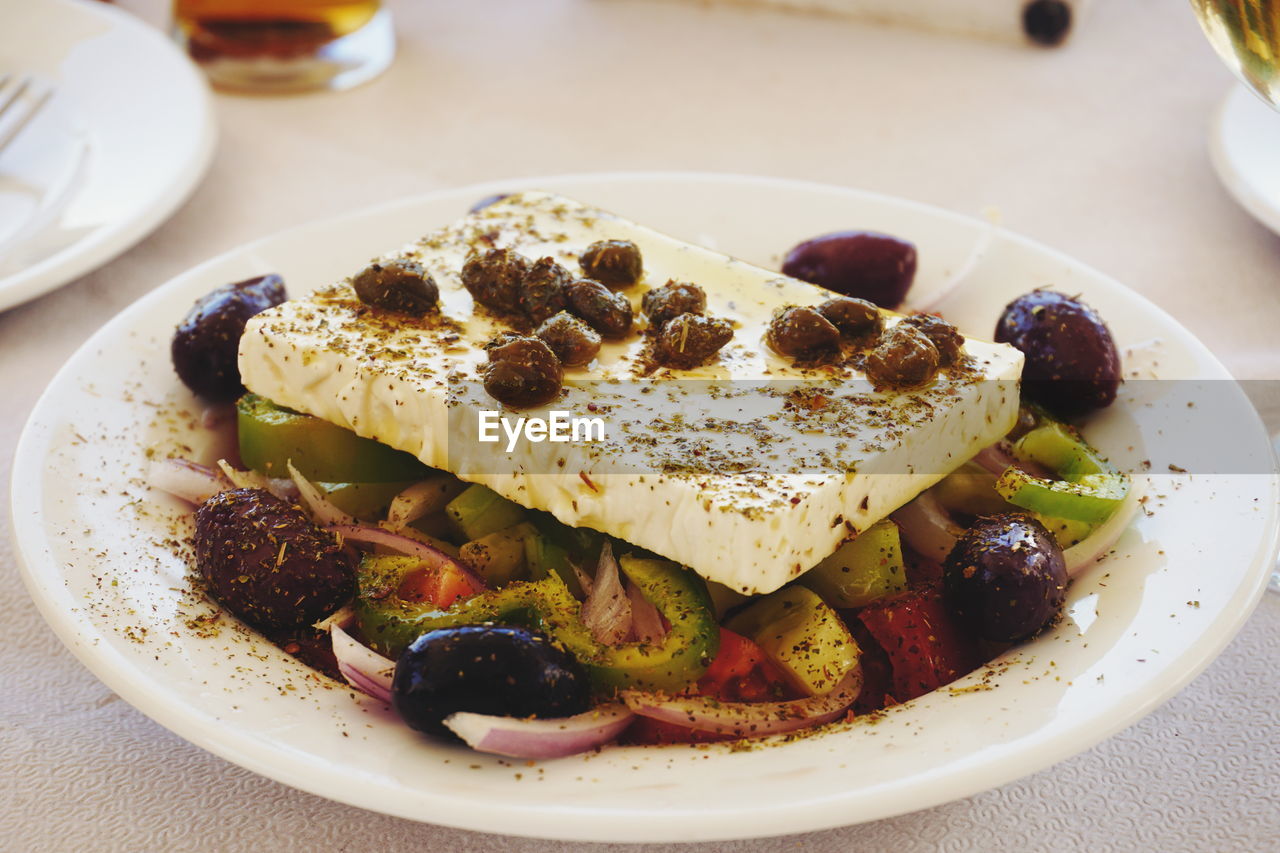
1091, 489
389, 624
271, 436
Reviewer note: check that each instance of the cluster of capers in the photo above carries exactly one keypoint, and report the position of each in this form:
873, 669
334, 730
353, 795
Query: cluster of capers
910, 353
805, 333
685, 336
571, 316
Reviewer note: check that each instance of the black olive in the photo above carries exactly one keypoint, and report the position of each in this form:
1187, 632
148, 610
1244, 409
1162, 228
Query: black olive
1006, 577
801, 332
616, 263
1047, 22
207, 342
607, 312
903, 358
852, 316
870, 266
486, 669
397, 285
944, 336
266, 562
689, 340
542, 290
672, 299
522, 372
493, 278
1072, 365
573, 341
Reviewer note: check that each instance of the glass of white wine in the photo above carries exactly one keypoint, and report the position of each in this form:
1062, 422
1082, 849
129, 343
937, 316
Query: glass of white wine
1246, 34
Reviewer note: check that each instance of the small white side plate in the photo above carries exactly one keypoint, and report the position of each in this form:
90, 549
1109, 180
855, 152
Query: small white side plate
124, 140
1244, 145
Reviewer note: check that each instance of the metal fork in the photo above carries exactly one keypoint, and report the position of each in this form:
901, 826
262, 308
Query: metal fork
20, 101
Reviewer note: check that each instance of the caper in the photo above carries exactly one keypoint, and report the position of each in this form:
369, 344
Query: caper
688, 340
542, 289
616, 263
397, 285
801, 332
945, 337
573, 341
607, 312
522, 372
494, 277
672, 299
852, 316
904, 358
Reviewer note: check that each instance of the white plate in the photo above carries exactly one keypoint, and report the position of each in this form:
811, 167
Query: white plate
125, 139
93, 539
1244, 145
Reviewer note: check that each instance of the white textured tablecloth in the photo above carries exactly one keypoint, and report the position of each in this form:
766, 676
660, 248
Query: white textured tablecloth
1097, 149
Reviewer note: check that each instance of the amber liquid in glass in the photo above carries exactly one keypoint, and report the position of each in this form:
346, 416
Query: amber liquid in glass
1246, 34
276, 44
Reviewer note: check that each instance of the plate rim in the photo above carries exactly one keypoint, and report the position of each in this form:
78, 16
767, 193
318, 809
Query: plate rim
110, 240
1232, 179
600, 824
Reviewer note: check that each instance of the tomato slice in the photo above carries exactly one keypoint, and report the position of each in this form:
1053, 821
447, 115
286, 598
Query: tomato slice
926, 648
440, 586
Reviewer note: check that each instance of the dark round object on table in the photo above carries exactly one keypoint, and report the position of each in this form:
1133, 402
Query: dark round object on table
262, 559
945, 337
573, 341
616, 263
1072, 365
499, 670
800, 332
542, 289
904, 358
1047, 22
671, 300
871, 266
852, 316
607, 312
397, 285
206, 344
689, 340
522, 372
493, 278
1006, 577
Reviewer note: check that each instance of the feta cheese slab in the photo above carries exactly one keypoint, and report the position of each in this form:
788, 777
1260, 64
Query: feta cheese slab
748, 469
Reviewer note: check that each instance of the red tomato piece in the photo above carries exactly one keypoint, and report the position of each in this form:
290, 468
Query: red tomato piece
925, 646
441, 586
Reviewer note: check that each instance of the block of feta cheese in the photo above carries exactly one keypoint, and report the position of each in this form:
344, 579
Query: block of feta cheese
749, 469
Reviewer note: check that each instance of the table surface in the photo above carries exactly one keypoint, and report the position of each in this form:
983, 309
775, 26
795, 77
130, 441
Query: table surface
1097, 149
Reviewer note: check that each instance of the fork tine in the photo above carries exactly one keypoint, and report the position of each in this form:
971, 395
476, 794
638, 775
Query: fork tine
25, 114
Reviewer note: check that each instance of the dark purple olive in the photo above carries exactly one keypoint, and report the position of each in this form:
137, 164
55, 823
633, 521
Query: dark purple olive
863, 264
206, 343
1006, 577
267, 563
1072, 364
499, 670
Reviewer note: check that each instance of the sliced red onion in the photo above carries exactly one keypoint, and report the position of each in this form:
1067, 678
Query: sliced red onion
322, 511
362, 667
997, 458
607, 610
215, 416
927, 527
401, 544
646, 622
517, 737
747, 719
422, 499
584, 579
190, 481
1097, 543
283, 489
342, 617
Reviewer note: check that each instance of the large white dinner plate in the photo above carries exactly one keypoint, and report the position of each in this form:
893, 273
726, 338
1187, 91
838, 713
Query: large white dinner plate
123, 141
98, 549
1244, 145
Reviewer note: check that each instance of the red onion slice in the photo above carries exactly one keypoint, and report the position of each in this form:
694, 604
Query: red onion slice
517, 737
190, 481
401, 544
607, 610
322, 511
362, 667
747, 719
1097, 543
927, 527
